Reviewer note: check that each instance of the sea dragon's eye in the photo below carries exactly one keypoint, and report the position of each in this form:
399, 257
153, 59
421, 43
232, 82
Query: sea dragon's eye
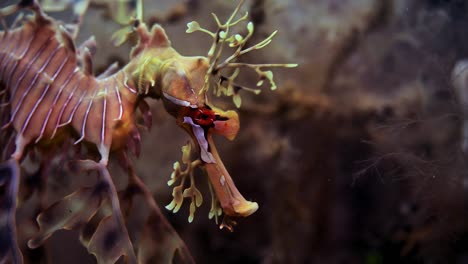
203, 117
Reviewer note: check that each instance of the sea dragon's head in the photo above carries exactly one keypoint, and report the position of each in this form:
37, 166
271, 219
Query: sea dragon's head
183, 83
182, 90
180, 81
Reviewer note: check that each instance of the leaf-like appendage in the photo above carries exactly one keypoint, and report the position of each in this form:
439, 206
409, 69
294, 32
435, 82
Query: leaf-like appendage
69, 213
90, 228
134, 142
108, 242
192, 27
215, 78
160, 243
180, 191
121, 36
147, 115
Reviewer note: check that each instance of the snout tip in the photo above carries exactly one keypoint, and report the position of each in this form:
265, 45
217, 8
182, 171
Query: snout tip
246, 208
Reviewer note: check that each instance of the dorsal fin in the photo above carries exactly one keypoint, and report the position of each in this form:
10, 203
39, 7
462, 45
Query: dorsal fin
158, 37
66, 39
89, 44
86, 61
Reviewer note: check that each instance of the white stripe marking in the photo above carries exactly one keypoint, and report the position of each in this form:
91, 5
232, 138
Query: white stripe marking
46, 63
28, 67
75, 108
117, 92
44, 92
83, 127
57, 96
127, 86
9, 53
177, 101
65, 104
23, 53
103, 127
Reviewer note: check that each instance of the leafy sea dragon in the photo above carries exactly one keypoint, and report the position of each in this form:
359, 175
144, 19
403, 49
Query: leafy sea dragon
51, 95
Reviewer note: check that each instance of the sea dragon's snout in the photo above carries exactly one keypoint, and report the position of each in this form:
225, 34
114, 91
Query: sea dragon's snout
202, 123
232, 201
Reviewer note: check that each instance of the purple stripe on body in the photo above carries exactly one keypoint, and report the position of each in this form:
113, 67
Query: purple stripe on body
103, 127
8, 57
44, 92
117, 92
65, 104
83, 127
57, 96
21, 56
23, 96
28, 67
128, 87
